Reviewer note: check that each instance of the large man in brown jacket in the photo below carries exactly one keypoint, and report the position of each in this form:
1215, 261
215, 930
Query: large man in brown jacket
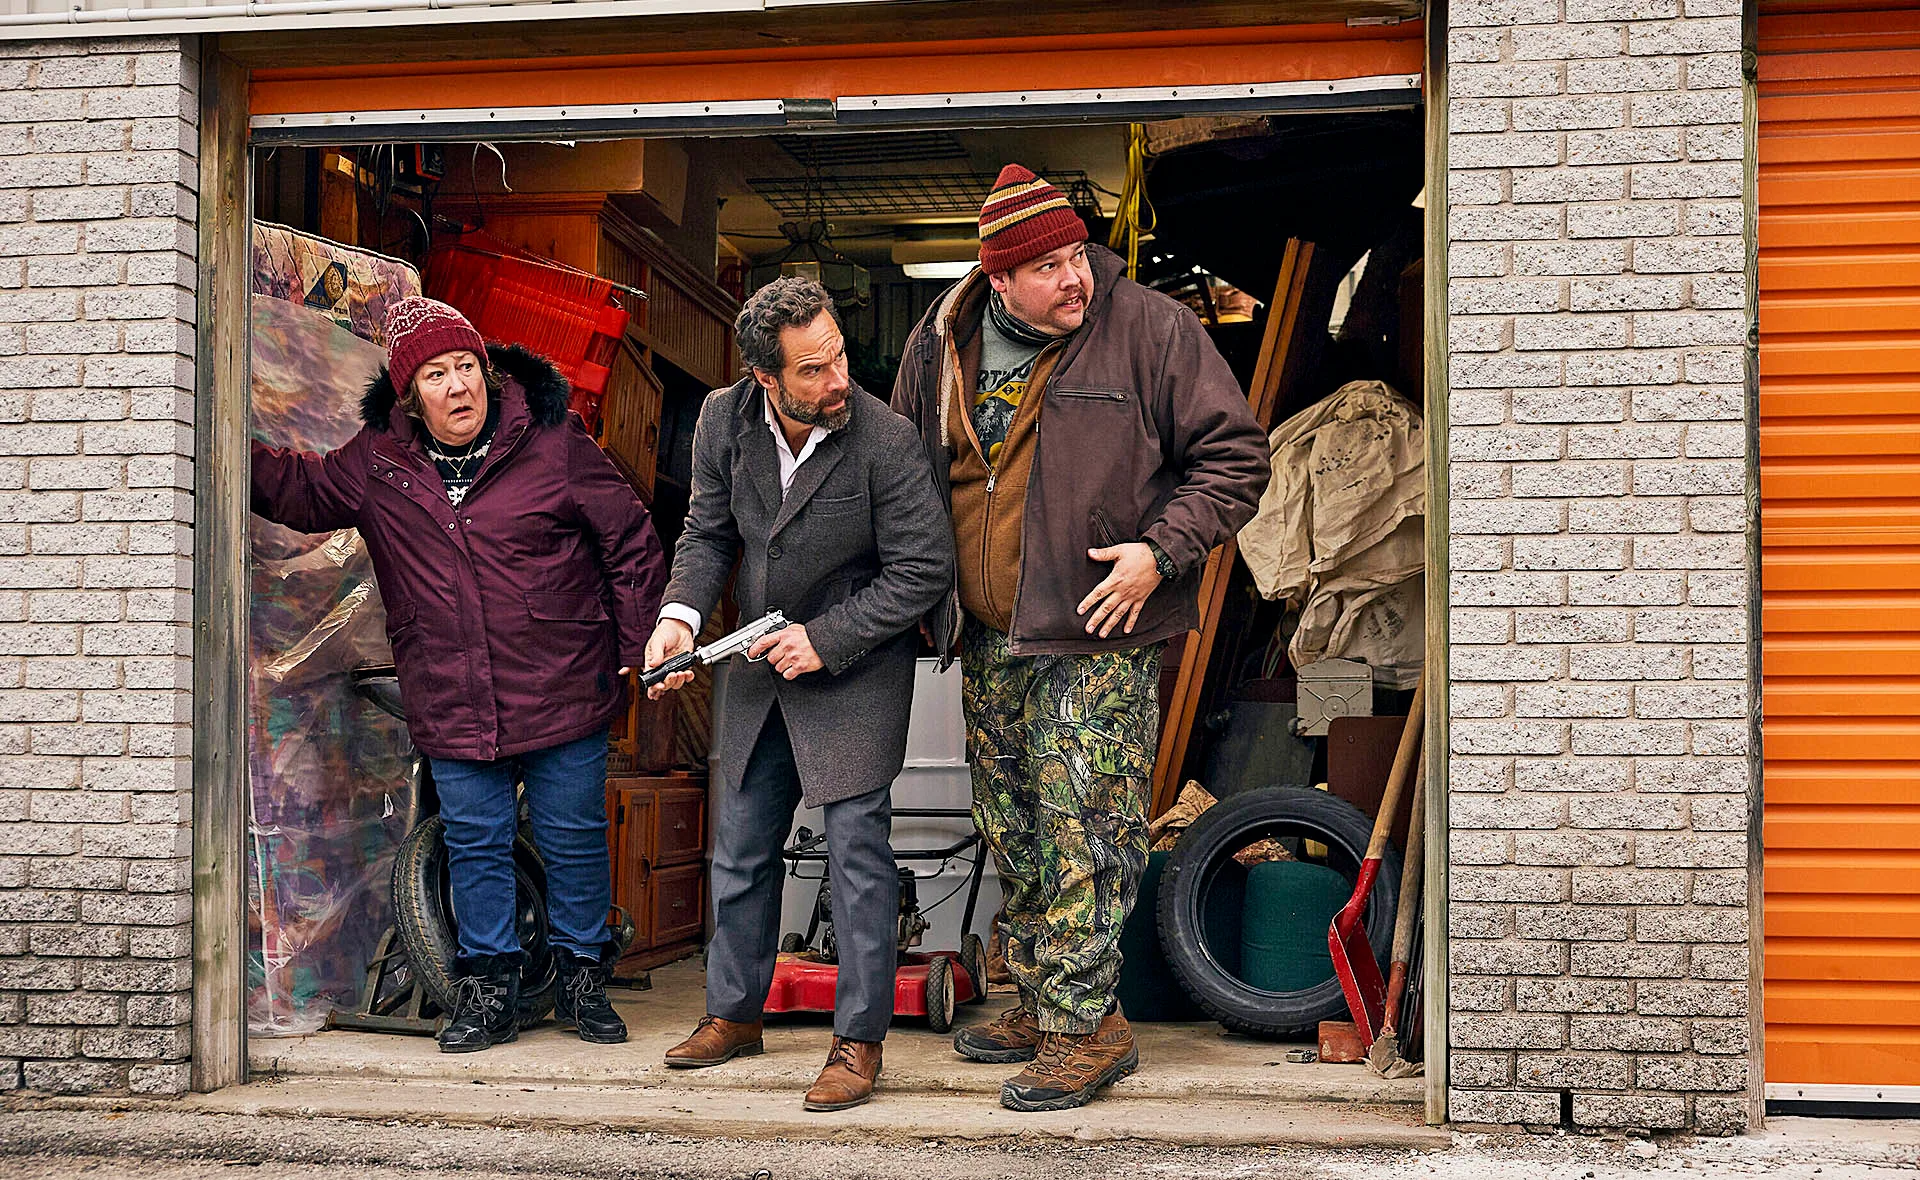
1093, 447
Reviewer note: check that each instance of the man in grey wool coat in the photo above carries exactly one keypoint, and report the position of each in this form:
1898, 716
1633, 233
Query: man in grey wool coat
825, 496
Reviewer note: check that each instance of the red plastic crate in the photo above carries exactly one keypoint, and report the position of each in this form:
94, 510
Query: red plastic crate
569, 316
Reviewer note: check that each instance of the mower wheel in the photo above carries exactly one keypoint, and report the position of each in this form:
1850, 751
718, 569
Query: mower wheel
792, 942
940, 994
973, 958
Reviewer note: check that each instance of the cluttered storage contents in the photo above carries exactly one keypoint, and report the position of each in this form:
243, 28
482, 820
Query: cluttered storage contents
1281, 896
1274, 903
350, 920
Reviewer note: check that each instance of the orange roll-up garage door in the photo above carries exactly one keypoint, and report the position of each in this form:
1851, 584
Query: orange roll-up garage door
1839, 153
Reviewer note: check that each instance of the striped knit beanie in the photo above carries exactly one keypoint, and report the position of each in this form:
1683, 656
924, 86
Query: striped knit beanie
1024, 217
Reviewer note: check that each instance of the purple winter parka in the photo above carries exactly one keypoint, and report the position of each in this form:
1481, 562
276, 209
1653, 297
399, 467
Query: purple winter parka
510, 615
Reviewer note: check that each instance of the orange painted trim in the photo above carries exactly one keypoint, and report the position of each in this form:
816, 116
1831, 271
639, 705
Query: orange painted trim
1199, 57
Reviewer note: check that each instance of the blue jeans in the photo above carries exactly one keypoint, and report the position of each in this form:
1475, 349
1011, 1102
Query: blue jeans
566, 795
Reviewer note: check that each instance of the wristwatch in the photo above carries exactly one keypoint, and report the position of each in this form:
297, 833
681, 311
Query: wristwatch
1161, 562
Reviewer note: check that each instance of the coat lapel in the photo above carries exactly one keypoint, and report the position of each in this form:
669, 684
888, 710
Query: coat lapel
756, 444
808, 477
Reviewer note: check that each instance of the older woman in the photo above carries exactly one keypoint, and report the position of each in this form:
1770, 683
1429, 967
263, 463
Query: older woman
521, 578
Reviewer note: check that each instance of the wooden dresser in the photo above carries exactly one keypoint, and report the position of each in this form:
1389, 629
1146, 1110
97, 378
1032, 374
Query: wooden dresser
656, 828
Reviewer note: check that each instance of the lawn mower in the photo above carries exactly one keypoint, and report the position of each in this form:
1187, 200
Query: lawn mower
926, 983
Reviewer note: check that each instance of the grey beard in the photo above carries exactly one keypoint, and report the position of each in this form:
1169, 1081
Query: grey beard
811, 415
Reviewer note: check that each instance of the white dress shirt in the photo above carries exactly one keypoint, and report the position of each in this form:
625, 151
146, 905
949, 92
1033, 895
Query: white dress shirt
789, 463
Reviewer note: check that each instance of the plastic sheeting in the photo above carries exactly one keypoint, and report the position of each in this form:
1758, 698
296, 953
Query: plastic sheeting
331, 774
1340, 534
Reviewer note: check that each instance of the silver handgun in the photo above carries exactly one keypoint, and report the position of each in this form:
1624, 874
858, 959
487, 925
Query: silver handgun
720, 649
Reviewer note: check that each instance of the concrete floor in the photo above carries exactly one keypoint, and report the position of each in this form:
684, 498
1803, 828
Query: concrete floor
49, 1139
1196, 1084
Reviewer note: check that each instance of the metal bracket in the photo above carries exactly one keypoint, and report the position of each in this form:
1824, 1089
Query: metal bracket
810, 112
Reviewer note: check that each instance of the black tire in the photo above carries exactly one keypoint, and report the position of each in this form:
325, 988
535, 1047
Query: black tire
423, 914
940, 994
792, 942
1210, 843
973, 960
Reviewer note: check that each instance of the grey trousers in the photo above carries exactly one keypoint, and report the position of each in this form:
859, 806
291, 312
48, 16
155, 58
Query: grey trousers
751, 826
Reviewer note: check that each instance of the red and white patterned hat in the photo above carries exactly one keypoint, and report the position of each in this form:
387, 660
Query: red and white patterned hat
419, 329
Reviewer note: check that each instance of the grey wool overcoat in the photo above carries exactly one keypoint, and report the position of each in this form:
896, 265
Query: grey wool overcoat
857, 551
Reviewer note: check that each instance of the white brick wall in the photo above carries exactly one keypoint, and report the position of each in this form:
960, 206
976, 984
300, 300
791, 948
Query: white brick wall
1598, 802
97, 184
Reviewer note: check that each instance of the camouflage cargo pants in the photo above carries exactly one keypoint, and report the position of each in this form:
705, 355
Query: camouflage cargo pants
1062, 751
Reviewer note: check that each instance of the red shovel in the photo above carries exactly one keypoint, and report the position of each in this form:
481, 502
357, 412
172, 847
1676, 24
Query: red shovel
1353, 959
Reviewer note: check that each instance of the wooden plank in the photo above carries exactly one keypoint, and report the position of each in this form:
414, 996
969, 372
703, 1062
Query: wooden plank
339, 198
1435, 954
220, 581
1176, 734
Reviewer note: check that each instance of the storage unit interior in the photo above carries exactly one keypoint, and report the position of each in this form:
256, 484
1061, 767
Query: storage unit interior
1297, 238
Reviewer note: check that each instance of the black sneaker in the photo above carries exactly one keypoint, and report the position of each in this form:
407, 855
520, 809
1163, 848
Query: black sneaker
580, 998
486, 1004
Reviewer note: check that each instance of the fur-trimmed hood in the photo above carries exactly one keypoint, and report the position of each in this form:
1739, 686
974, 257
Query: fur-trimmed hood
539, 379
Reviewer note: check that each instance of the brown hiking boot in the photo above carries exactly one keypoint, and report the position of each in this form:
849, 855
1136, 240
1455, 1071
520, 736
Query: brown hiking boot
847, 1080
716, 1042
1070, 1068
1013, 1035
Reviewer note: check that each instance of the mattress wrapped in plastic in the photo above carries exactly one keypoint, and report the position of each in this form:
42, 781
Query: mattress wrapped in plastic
330, 773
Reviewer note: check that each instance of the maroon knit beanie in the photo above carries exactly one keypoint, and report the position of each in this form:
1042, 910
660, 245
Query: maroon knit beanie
1023, 218
419, 329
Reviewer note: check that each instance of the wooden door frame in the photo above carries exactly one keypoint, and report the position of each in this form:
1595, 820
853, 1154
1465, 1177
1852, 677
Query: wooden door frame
1434, 747
220, 492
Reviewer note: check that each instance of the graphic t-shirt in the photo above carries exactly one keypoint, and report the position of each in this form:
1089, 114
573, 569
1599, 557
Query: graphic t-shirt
1006, 367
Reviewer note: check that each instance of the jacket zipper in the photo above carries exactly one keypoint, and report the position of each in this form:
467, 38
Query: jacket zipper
986, 532
1093, 394
963, 402
495, 462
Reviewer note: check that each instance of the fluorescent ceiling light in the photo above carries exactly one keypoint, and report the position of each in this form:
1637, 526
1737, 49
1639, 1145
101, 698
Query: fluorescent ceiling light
937, 270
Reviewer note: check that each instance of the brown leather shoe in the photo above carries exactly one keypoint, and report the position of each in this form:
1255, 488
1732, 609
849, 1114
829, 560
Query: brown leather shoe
1070, 1068
1013, 1035
852, 1068
716, 1042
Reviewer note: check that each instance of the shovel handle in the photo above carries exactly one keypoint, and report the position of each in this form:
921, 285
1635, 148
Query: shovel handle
1406, 914
1403, 759
1410, 872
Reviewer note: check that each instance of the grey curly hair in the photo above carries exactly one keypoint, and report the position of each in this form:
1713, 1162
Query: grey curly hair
791, 301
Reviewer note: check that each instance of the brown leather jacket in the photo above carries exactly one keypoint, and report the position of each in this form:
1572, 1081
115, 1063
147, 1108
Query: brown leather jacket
1143, 434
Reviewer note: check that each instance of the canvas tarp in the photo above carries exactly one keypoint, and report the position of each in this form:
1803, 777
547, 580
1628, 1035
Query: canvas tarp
1340, 534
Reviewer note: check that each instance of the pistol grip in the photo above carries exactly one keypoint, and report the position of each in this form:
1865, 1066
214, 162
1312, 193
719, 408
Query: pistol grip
654, 675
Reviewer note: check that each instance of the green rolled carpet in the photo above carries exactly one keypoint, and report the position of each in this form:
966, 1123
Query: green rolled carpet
1283, 929
1148, 988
